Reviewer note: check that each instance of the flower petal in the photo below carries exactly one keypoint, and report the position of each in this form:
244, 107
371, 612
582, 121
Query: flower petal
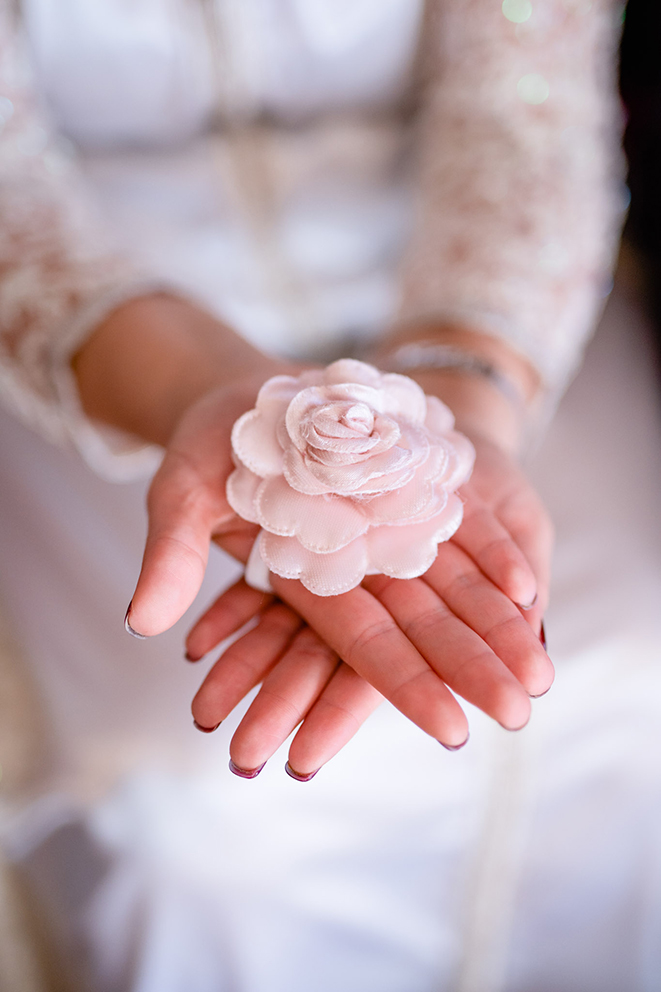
351, 370
330, 441
324, 575
255, 443
298, 475
277, 390
306, 400
403, 398
438, 462
408, 551
311, 377
254, 435
321, 523
439, 418
381, 472
400, 505
242, 486
461, 464
366, 475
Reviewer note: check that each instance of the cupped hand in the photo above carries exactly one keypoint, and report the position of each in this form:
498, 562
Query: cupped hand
302, 676
187, 508
408, 640
457, 627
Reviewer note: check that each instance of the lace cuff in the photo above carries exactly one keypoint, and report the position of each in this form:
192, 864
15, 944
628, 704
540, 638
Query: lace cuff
59, 276
521, 179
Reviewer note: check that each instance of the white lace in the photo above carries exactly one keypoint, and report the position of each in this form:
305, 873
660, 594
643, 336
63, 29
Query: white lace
58, 274
519, 204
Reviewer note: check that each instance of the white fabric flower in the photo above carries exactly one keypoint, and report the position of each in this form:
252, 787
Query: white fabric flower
349, 472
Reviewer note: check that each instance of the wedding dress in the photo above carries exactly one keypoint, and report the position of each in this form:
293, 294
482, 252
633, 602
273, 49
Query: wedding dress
273, 159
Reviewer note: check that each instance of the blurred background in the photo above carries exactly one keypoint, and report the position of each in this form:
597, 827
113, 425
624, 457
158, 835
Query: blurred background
531, 862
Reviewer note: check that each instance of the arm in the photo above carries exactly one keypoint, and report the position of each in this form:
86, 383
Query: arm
59, 272
187, 508
517, 219
520, 179
91, 353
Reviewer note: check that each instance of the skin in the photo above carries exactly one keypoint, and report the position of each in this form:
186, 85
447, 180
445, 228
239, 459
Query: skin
172, 374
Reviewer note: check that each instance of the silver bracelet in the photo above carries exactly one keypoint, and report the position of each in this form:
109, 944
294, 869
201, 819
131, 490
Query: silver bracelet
421, 355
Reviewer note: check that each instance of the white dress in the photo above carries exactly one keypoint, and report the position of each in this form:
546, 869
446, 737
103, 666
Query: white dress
260, 162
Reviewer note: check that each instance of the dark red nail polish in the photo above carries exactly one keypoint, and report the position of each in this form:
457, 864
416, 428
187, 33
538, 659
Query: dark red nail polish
540, 694
542, 636
455, 747
206, 730
529, 606
244, 772
128, 628
297, 775
190, 657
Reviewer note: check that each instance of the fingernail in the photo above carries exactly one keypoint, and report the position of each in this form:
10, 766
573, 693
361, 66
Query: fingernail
297, 775
542, 636
190, 657
529, 606
244, 772
206, 730
455, 747
539, 694
128, 628
515, 730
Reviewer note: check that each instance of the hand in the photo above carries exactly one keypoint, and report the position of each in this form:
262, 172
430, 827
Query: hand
303, 681
456, 626
302, 676
187, 507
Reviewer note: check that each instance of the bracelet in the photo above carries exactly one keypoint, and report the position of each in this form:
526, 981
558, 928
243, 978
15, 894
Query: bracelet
424, 355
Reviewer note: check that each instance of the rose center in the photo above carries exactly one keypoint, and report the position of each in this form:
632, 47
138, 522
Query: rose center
344, 420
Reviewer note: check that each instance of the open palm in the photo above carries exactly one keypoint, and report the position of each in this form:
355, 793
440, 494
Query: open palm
325, 663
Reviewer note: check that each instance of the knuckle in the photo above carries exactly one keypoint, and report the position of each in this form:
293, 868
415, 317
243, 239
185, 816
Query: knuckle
369, 636
417, 628
309, 645
510, 628
279, 619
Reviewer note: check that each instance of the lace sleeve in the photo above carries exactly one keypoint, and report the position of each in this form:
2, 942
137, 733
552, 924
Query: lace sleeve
521, 190
58, 274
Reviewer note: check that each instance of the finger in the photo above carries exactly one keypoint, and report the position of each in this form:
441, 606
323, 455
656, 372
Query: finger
484, 608
183, 511
531, 528
234, 607
343, 707
496, 553
365, 636
460, 656
287, 694
244, 665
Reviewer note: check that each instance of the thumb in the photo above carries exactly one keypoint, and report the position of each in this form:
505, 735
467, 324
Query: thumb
183, 512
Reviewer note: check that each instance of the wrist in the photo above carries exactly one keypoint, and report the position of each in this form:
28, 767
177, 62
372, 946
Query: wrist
491, 388
480, 411
153, 357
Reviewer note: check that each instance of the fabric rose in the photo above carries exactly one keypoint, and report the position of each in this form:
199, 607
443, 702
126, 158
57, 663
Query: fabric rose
349, 472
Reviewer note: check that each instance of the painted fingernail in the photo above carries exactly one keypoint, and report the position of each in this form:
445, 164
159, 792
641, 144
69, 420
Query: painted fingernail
529, 606
542, 636
244, 772
297, 775
206, 730
190, 657
539, 694
455, 747
128, 628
